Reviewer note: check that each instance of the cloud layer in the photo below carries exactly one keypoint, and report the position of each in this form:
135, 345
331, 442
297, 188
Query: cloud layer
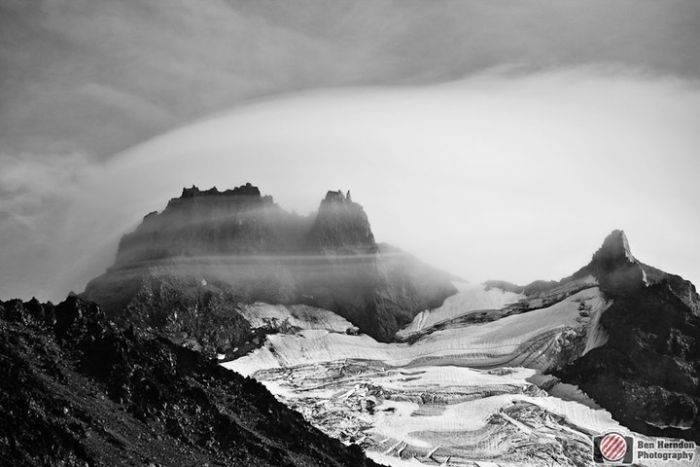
502, 175
98, 76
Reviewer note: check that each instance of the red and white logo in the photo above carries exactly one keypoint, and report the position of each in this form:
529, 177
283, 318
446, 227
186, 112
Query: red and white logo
613, 447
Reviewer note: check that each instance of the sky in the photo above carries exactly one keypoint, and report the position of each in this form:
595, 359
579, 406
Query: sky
495, 139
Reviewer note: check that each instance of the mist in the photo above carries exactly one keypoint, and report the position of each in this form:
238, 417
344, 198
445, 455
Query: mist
508, 175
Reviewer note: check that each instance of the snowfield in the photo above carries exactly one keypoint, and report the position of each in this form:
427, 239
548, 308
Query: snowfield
515, 339
468, 394
469, 297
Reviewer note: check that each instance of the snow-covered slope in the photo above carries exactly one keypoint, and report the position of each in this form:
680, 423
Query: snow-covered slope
469, 297
533, 339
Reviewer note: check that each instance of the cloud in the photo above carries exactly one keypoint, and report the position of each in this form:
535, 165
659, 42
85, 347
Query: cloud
148, 66
505, 174
38, 196
138, 109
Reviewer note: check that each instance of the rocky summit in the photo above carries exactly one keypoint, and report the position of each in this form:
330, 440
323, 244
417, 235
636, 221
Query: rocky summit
76, 391
647, 371
210, 250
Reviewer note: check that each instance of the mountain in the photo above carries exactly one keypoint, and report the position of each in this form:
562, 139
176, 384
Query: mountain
374, 347
77, 391
356, 338
647, 371
209, 250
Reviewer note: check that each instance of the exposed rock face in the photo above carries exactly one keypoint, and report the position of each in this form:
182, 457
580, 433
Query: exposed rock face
209, 223
76, 391
341, 225
614, 266
203, 317
647, 372
248, 249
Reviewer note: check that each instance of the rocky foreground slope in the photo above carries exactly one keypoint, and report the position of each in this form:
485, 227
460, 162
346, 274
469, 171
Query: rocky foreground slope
210, 247
76, 391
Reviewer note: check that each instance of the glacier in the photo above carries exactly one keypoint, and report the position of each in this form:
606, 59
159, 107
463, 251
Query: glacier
465, 384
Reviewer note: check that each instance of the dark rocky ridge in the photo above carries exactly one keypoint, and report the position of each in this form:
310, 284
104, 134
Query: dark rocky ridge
647, 374
77, 391
252, 250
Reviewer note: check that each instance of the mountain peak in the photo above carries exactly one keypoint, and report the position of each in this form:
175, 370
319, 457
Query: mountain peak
615, 267
241, 195
242, 221
342, 223
615, 249
247, 248
337, 197
244, 190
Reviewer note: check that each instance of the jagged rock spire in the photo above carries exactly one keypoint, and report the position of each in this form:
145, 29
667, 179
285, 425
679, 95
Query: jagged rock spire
615, 249
617, 270
341, 223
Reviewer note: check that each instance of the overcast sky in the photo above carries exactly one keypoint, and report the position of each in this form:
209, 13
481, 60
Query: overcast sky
495, 139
